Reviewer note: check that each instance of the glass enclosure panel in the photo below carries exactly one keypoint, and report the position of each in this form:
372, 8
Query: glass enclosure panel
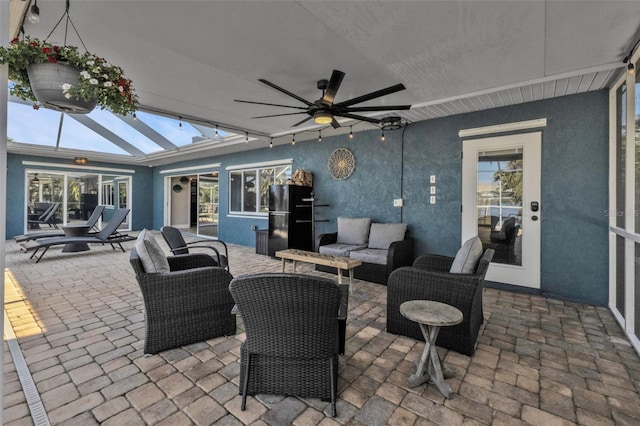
267, 177
620, 242
208, 197
249, 191
636, 305
75, 187
499, 202
621, 119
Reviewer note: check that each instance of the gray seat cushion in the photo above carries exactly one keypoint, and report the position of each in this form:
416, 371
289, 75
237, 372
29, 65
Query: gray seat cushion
467, 257
369, 255
383, 234
150, 253
353, 231
340, 250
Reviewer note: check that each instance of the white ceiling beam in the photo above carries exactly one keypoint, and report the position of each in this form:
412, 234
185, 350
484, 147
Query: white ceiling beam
107, 134
149, 132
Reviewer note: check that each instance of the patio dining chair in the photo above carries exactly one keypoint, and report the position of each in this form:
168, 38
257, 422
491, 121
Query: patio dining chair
178, 245
292, 338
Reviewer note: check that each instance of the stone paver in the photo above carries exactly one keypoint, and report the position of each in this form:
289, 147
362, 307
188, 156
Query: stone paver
80, 321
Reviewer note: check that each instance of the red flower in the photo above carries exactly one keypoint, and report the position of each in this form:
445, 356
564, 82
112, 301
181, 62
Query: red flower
46, 50
34, 44
15, 40
52, 59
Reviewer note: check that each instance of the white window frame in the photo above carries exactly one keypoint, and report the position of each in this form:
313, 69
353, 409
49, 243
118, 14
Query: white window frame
256, 168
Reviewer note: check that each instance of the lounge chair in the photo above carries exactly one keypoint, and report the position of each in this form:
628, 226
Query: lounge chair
108, 235
178, 245
48, 217
91, 223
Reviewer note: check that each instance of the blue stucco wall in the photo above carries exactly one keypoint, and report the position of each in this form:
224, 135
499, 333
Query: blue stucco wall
574, 257
141, 185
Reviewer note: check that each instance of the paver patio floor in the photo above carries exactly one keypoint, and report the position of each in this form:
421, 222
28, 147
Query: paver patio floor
79, 323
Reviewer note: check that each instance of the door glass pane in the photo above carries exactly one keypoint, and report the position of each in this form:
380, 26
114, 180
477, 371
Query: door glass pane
44, 190
621, 134
75, 187
266, 179
499, 202
208, 193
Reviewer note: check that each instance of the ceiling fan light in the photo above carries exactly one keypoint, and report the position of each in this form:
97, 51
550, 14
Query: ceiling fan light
391, 123
322, 117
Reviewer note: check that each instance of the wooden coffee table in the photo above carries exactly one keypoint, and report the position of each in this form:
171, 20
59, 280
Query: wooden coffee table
340, 263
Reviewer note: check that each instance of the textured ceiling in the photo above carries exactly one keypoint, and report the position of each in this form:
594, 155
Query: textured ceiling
193, 58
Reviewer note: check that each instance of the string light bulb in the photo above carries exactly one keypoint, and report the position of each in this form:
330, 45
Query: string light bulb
293, 140
217, 134
351, 132
382, 136
271, 143
631, 68
246, 137
180, 123
319, 135
135, 117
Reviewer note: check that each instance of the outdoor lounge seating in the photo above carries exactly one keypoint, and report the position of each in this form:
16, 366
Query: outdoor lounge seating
430, 279
108, 235
382, 247
91, 223
178, 245
48, 217
186, 301
292, 338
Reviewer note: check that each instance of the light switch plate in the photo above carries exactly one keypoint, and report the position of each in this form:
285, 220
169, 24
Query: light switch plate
398, 202
432, 189
432, 179
432, 199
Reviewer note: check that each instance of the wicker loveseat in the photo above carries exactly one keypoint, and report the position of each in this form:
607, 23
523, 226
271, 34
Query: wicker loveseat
382, 247
429, 279
187, 303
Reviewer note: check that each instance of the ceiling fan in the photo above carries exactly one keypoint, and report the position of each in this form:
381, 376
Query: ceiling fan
324, 110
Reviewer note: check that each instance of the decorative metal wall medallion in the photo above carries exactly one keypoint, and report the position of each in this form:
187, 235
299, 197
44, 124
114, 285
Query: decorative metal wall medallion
341, 163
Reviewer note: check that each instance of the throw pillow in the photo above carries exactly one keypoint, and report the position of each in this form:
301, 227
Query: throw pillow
383, 234
467, 257
150, 253
353, 230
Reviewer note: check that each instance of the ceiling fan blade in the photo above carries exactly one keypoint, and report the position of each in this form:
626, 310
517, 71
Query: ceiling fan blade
334, 123
372, 95
265, 103
280, 115
332, 88
377, 108
360, 117
285, 91
300, 122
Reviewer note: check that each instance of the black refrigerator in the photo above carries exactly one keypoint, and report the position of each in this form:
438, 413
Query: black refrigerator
290, 218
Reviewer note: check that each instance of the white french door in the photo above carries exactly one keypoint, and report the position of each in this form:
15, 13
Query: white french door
501, 204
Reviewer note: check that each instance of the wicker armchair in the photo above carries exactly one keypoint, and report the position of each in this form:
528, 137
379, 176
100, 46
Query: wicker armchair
291, 347
429, 279
190, 304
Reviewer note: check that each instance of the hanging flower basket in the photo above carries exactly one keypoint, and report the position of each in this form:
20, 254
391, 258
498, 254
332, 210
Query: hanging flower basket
94, 81
48, 81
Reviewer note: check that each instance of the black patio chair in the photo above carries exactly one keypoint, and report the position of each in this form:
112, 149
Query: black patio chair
178, 245
48, 217
292, 337
189, 304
